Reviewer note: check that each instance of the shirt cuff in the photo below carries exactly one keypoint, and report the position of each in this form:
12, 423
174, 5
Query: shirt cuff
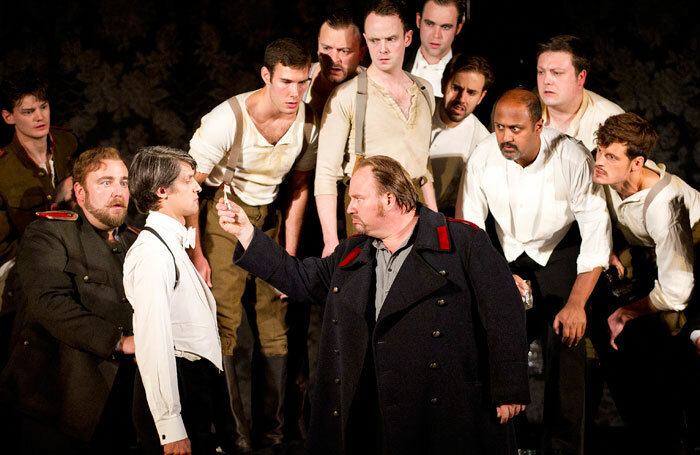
170, 430
694, 335
586, 263
662, 302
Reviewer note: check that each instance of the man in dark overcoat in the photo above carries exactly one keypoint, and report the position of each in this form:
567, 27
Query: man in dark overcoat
423, 347
69, 376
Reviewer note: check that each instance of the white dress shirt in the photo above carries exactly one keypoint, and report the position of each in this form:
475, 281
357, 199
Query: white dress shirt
450, 149
431, 73
535, 205
168, 321
672, 222
261, 166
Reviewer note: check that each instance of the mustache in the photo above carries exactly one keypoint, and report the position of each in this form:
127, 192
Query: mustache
117, 200
457, 104
503, 145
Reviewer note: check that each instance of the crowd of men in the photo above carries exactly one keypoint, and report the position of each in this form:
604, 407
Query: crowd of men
446, 250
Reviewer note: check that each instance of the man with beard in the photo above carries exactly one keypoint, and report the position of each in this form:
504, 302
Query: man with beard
423, 348
456, 130
537, 182
70, 375
340, 51
439, 23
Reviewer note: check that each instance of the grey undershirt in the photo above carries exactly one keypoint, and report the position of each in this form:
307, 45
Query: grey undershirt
388, 266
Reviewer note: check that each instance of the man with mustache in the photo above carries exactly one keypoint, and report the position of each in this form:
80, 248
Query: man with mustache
658, 216
340, 51
423, 347
384, 110
71, 372
537, 182
253, 142
439, 22
456, 131
562, 67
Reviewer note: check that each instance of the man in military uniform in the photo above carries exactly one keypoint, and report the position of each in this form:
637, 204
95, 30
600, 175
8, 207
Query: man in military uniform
68, 375
34, 175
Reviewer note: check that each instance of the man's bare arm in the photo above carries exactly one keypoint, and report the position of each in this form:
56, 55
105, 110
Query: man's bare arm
327, 206
196, 253
294, 214
429, 196
621, 316
570, 322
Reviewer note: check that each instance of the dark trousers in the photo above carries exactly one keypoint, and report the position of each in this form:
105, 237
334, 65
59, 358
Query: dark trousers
196, 384
565, 368
114, 433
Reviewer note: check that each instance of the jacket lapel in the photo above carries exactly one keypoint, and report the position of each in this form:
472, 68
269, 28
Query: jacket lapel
417, 278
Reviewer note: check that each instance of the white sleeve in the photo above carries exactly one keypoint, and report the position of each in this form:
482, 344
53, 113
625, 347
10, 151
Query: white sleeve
214, 137
148, 283
472, 204
668, 224
590, 209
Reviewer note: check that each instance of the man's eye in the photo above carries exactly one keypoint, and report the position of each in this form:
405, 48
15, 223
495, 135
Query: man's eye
515, 129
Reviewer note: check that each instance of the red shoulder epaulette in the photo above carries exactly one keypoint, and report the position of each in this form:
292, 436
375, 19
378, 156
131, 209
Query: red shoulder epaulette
355, 235
353, 254
465, 222
62, 215
133, 229
443, 238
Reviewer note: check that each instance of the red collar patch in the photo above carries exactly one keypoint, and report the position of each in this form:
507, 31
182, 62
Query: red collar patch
442, 237
353, 254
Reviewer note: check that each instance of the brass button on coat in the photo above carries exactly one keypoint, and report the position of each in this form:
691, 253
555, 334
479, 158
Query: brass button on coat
442, 272
440, 302
433, 401
437, 334
336, 414
433, 365
85, 278
337, 381
335, 290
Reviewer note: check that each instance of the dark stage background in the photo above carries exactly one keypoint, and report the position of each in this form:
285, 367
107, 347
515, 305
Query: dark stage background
128, 73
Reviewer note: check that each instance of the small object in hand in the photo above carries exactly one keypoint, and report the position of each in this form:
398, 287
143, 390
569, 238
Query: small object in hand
527, 297
227, 191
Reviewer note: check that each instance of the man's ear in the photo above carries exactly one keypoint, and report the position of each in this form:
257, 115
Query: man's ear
8, 117
581, 78
408, 37
79, 192
418, 20
266, 75
637, 163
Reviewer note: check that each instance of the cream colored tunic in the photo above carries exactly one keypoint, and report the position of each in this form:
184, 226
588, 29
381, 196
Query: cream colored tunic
387, 132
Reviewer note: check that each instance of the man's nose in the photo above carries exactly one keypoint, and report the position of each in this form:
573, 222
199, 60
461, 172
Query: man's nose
437, 32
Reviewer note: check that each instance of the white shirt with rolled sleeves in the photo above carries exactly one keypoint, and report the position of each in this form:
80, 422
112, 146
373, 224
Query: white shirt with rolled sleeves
431, 73
670, 220
534, 206
168, 321
261, 166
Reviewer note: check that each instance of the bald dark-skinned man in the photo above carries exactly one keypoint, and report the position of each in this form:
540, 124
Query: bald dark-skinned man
553, 226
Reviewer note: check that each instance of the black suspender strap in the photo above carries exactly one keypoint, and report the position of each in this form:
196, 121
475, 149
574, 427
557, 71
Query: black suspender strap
177, 271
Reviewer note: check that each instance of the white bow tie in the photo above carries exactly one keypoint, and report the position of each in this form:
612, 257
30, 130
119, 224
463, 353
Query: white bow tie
190, 237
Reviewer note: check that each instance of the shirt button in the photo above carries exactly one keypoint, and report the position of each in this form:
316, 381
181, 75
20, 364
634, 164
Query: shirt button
124, 300
335, 290
440, 302
85, 278
49, 197
42, 173
437, 334
336, 414
433, 365
442, 272
115, 250
433, 400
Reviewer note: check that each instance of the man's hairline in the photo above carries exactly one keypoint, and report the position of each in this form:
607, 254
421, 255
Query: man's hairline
353, 26
422, 11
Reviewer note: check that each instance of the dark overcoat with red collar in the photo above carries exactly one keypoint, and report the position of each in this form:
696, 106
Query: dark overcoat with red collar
449, 344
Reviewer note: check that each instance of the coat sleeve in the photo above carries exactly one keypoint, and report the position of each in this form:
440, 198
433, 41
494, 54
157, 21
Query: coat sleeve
52, 298
502, 315
306, 281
